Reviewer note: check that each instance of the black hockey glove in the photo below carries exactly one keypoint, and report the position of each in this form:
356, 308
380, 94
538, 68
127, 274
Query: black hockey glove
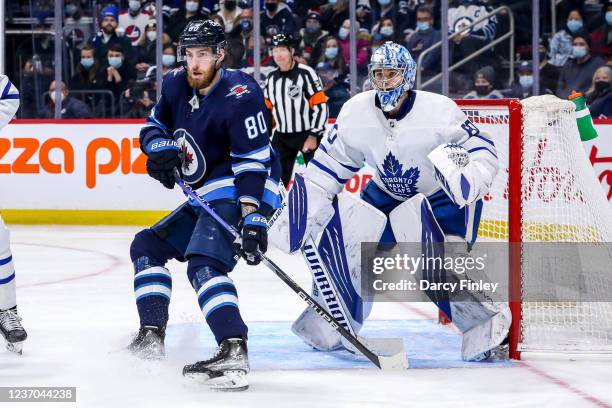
162, 158
254, 237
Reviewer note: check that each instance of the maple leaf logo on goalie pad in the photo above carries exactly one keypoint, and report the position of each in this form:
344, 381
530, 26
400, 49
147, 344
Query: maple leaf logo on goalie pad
399, 182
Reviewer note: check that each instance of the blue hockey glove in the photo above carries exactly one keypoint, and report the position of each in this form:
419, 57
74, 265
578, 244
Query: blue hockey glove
254, 237
162, 158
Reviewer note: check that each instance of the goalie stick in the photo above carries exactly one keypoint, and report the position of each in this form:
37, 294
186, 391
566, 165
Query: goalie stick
382, 362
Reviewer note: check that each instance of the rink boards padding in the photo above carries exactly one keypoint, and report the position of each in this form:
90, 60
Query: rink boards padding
272, 346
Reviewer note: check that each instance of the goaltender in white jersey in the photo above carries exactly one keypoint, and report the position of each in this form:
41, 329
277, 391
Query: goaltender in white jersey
432, 168
10, 323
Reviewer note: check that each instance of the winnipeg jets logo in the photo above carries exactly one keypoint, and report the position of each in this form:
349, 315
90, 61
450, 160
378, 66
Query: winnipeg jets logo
238, 91
399, 182
193, 161
132, 32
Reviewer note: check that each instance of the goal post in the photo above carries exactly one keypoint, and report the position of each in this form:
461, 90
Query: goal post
545, 191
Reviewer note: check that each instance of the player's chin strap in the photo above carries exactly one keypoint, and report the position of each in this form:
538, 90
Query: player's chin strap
382, 362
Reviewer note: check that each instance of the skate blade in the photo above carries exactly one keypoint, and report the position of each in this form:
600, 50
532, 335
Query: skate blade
149, 353
16, 347
228, 381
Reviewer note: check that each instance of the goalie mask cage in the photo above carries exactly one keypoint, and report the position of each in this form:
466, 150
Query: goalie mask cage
545, 191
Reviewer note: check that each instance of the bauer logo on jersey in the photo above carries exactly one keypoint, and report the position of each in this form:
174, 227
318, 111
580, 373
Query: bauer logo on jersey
399, 182
194, 164
238, 91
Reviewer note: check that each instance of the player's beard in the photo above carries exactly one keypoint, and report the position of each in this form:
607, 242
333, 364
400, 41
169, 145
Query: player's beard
202, 82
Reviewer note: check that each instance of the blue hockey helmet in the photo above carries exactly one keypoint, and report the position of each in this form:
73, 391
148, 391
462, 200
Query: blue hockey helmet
392, 72
201, 33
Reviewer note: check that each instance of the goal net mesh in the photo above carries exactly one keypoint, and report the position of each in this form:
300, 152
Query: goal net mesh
562, 201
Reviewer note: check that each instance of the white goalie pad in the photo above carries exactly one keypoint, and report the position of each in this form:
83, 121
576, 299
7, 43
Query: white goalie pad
305, 212
484, 323
337, 255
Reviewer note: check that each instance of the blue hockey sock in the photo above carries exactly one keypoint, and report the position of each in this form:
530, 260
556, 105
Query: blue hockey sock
218, 300
152, 287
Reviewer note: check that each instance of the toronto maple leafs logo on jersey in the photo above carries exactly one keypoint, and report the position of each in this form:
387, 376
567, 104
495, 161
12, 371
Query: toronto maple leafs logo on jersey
396, 180
194, 163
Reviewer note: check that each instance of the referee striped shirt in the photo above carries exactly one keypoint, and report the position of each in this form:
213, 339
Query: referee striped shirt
297, 100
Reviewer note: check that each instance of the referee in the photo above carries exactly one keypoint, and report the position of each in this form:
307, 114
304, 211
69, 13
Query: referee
295, 96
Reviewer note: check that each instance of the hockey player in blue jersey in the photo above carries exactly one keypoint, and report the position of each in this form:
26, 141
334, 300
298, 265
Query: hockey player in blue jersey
210, 124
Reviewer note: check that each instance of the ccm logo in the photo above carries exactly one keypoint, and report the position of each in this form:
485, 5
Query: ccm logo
35, 157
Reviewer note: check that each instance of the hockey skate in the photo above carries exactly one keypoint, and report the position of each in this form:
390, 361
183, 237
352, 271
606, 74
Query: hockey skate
226, 370
12, 330
149, 343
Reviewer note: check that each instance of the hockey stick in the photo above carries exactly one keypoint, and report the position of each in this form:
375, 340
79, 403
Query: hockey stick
382, 362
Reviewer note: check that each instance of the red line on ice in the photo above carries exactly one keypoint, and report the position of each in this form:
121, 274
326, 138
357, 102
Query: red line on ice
116, 261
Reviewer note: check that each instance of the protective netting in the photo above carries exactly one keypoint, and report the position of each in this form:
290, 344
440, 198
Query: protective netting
562, 201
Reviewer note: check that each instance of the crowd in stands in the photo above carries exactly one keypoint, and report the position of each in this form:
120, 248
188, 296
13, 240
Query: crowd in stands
111, 68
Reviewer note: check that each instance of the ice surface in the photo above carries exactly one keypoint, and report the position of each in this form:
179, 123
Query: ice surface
75, 295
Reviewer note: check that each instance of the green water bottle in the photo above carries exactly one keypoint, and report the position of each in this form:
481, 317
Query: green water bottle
583, 117
299, 159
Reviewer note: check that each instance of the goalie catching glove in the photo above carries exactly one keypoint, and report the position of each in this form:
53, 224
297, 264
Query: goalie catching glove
464, 180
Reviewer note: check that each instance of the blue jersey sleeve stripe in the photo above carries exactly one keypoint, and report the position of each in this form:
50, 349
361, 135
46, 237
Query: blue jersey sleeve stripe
11, 96
6, 89
328, 171
252, 153
482, 148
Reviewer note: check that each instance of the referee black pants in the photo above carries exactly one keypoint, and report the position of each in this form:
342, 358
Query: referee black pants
288, 145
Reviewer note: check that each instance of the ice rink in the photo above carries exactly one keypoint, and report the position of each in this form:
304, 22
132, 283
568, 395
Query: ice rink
75, 293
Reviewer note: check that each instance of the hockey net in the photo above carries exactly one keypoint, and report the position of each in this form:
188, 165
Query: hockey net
546, 191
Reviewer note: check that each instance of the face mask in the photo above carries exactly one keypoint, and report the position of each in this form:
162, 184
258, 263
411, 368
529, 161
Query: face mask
387, 31
271, 7
230, 5
601, 86
151, 35
578, 51
331, 52
71, 9
422, 25
384, 2
482, 90
87, 62
574, 25
134, 5
609, 17
526, 81
192, 6
343, 33
332, 2
52, 96
115, 62
246, 25
313, 27
168, 60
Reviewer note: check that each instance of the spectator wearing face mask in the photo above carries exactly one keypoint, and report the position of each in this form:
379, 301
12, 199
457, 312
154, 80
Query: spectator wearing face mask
146, 47
523, 82
363, 45
602, 37
484, 81
228, 11
561, 43
386, 29
424, 37
86, 72
116, 74
107, 37
332, 55
277, 14
72, 108
576, 73
168, 58
133, 22
599, 94
188, 12
388, 9
311, 38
